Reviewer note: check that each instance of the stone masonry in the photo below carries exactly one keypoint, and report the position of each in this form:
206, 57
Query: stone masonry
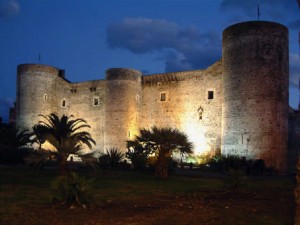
238, 106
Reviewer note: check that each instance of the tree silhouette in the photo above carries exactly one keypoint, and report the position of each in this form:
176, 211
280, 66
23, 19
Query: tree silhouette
65, 134
163, 142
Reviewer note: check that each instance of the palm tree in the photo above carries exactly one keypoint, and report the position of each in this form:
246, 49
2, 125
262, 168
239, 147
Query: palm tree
39, 133
162, 142
65, 134
24, 139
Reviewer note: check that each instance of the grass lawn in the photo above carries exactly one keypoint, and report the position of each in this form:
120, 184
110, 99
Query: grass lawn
138, 199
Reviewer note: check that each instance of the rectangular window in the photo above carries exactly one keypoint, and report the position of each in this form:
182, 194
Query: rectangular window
163, 97
45, 97
96, 101
93, 89
63, 103
210, 95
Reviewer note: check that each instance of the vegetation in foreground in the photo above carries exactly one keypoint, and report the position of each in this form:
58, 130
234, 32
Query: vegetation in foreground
140, 198
161, 142
125, 198
65, 134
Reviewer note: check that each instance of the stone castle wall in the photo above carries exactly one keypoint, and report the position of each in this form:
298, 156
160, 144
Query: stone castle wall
86, 100
186, 106
33, 84
238, 105
255, 87
123, 90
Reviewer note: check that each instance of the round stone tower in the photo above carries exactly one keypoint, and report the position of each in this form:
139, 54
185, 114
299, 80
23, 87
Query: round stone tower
255, 92
35, 93
123, 90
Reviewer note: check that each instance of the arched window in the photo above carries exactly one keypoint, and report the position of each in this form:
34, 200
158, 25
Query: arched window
63, 103
200, 113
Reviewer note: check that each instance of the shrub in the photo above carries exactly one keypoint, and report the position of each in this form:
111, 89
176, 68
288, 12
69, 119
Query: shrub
227, 163
72, 190
12, 155
111, 159
137, 154
104, 161
256, 167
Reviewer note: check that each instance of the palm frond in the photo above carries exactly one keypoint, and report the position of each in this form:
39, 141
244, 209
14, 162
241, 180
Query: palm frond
24, 138
38, 158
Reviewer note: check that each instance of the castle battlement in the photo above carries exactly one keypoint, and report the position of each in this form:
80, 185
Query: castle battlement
168, 77
123, 74
37, 69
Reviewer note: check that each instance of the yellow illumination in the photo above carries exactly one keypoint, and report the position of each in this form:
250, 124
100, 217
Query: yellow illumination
196, 131
196, 135
47, 146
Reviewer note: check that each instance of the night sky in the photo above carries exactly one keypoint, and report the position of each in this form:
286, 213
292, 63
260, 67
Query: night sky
86, 37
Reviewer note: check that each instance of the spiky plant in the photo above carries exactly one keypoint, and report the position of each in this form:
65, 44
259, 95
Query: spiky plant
111, 158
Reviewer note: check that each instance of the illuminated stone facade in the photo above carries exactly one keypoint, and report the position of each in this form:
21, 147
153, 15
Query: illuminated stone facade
239, 105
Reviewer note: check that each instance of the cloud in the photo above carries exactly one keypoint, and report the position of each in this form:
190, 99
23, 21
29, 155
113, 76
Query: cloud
8, 9
181, 48
175, 61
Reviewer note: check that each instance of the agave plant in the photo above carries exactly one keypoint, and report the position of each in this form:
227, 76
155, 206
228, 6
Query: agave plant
111, 158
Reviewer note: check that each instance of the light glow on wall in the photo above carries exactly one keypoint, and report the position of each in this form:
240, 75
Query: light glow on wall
196, 135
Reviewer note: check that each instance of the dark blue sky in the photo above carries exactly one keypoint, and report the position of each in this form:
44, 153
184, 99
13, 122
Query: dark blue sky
86, 37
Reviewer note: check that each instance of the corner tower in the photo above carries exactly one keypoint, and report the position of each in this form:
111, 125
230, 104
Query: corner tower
255, 92
35, 93
123, 91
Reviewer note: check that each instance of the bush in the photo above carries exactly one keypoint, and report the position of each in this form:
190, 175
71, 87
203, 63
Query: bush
12, 155
137, 154
227, 163
256, 167
72, 190
14, 145
104, 161
111, 159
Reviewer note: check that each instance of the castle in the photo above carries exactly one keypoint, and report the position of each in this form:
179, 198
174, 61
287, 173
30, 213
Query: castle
238, 105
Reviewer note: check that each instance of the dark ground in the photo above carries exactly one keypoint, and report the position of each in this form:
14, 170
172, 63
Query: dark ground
122, 199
